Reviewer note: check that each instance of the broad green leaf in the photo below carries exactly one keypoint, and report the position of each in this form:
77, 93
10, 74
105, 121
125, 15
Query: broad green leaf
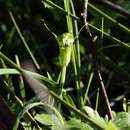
95, 117
122, 121
76, 124
50, 120
47, 119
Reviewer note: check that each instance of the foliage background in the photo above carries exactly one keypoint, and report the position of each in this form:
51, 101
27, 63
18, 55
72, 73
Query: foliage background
28, 15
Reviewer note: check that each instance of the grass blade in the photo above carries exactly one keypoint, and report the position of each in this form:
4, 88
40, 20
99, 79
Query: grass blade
24, 42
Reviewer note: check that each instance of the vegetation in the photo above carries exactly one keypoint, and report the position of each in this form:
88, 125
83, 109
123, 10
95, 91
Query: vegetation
64, 65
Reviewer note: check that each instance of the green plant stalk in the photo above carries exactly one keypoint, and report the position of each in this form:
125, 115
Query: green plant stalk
79, 97
62, 79
65, 50
63, 75
68, 18
67, 4
117, 41
59, 8
124, 104
4, 66
24, 42
97, 100
65, 42
63, 67
88, 87
10, 62
102, 28
102, 37
21, 82
76, 38
108, 17
77, 60
62, 51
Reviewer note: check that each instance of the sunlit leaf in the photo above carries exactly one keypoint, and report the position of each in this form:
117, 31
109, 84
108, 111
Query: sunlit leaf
46, 119
4, 71
122, 121
50, 120
76, 124
95, 116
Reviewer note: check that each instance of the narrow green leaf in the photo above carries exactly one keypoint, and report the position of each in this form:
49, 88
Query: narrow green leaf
59, 8
24, 41
6, 71
100, 12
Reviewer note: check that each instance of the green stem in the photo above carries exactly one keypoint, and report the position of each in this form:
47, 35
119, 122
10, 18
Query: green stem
62, 79
117, 41
77, 61
97, 100
68, 18
109, 18
59, 9
21, 81
24, 41
88, 87
76, 40
77, 80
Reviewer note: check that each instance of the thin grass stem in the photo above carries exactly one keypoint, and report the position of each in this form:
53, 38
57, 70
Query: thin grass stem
117, 41
88, 87
100, 12
60, 9
24, 42
97, 100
